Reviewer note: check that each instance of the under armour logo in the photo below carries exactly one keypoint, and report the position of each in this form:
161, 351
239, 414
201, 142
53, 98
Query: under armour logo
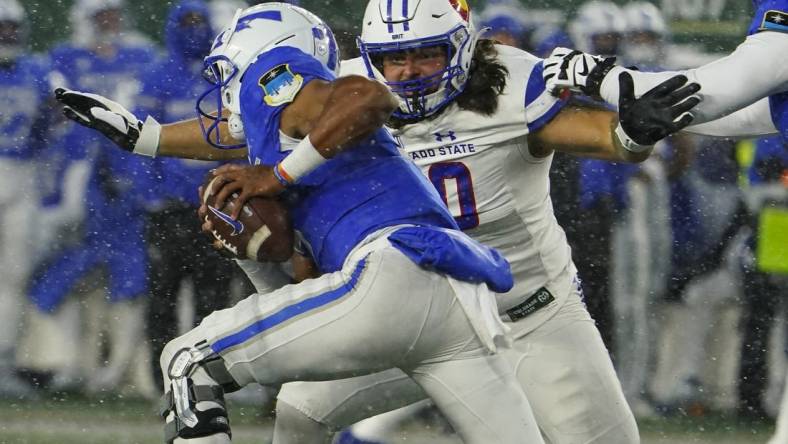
449, 134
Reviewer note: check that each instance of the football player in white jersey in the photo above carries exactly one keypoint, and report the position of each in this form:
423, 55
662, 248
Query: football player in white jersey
477, 119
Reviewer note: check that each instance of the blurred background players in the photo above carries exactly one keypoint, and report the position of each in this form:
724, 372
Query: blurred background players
24, 81
104, 56
178, 252
508, 23
646, 37
768, 271
598, 26
765, 270
640, 242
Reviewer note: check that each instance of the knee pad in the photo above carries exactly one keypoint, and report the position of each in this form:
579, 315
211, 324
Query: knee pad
203, 422
194, 406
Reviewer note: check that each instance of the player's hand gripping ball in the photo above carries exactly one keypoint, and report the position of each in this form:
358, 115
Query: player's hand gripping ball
262, 231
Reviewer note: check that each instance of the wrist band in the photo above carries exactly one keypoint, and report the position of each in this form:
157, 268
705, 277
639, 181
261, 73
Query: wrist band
304, 159
281, 177
148, 140
598, 75
627, 142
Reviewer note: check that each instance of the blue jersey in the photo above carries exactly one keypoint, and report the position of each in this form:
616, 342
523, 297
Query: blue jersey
772, 15
359, 191
24, 89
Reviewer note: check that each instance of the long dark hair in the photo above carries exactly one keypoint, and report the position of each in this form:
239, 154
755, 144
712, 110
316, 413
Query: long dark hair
486, 81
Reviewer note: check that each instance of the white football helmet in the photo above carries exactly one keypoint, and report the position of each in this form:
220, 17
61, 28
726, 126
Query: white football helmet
252, 32
84, 30
647, 33
396, 25
11, 45
597, 19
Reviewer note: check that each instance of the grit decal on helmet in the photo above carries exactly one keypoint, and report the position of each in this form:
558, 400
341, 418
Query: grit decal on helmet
410, 25
252, 32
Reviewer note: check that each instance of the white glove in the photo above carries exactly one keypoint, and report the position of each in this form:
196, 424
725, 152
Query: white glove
112, 120
576, 71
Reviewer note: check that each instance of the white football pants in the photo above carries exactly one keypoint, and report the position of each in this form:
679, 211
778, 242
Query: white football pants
562, 366
379, 312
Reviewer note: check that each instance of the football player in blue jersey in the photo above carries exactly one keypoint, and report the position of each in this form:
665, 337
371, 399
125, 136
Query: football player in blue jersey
23, 85
401, 287
177, 250
105, 57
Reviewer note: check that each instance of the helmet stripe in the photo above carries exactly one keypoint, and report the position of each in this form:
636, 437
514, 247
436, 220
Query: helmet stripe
388, 16
405, 24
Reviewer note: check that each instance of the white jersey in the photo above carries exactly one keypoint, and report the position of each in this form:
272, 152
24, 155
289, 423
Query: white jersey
496, 190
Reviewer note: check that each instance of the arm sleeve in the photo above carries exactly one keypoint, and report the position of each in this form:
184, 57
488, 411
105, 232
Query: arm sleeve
540, 105
752, 121
753, 71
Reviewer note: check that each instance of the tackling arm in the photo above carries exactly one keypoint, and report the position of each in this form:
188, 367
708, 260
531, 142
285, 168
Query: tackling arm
585, 131
628, 137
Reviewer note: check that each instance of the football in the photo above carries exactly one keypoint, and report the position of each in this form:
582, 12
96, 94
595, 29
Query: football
262, 232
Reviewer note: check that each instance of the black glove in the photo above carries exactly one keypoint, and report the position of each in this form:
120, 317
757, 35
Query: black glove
112, 120
658, 113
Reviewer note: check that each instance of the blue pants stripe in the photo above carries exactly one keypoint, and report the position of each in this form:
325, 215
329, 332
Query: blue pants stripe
289, 312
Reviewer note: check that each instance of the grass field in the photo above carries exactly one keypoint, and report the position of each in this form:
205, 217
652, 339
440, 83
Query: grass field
76, 420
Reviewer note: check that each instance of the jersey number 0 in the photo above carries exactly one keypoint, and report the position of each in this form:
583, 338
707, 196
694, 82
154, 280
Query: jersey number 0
457, 172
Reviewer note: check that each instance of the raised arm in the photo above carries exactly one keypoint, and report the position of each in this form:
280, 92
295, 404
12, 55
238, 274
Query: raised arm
627, 136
